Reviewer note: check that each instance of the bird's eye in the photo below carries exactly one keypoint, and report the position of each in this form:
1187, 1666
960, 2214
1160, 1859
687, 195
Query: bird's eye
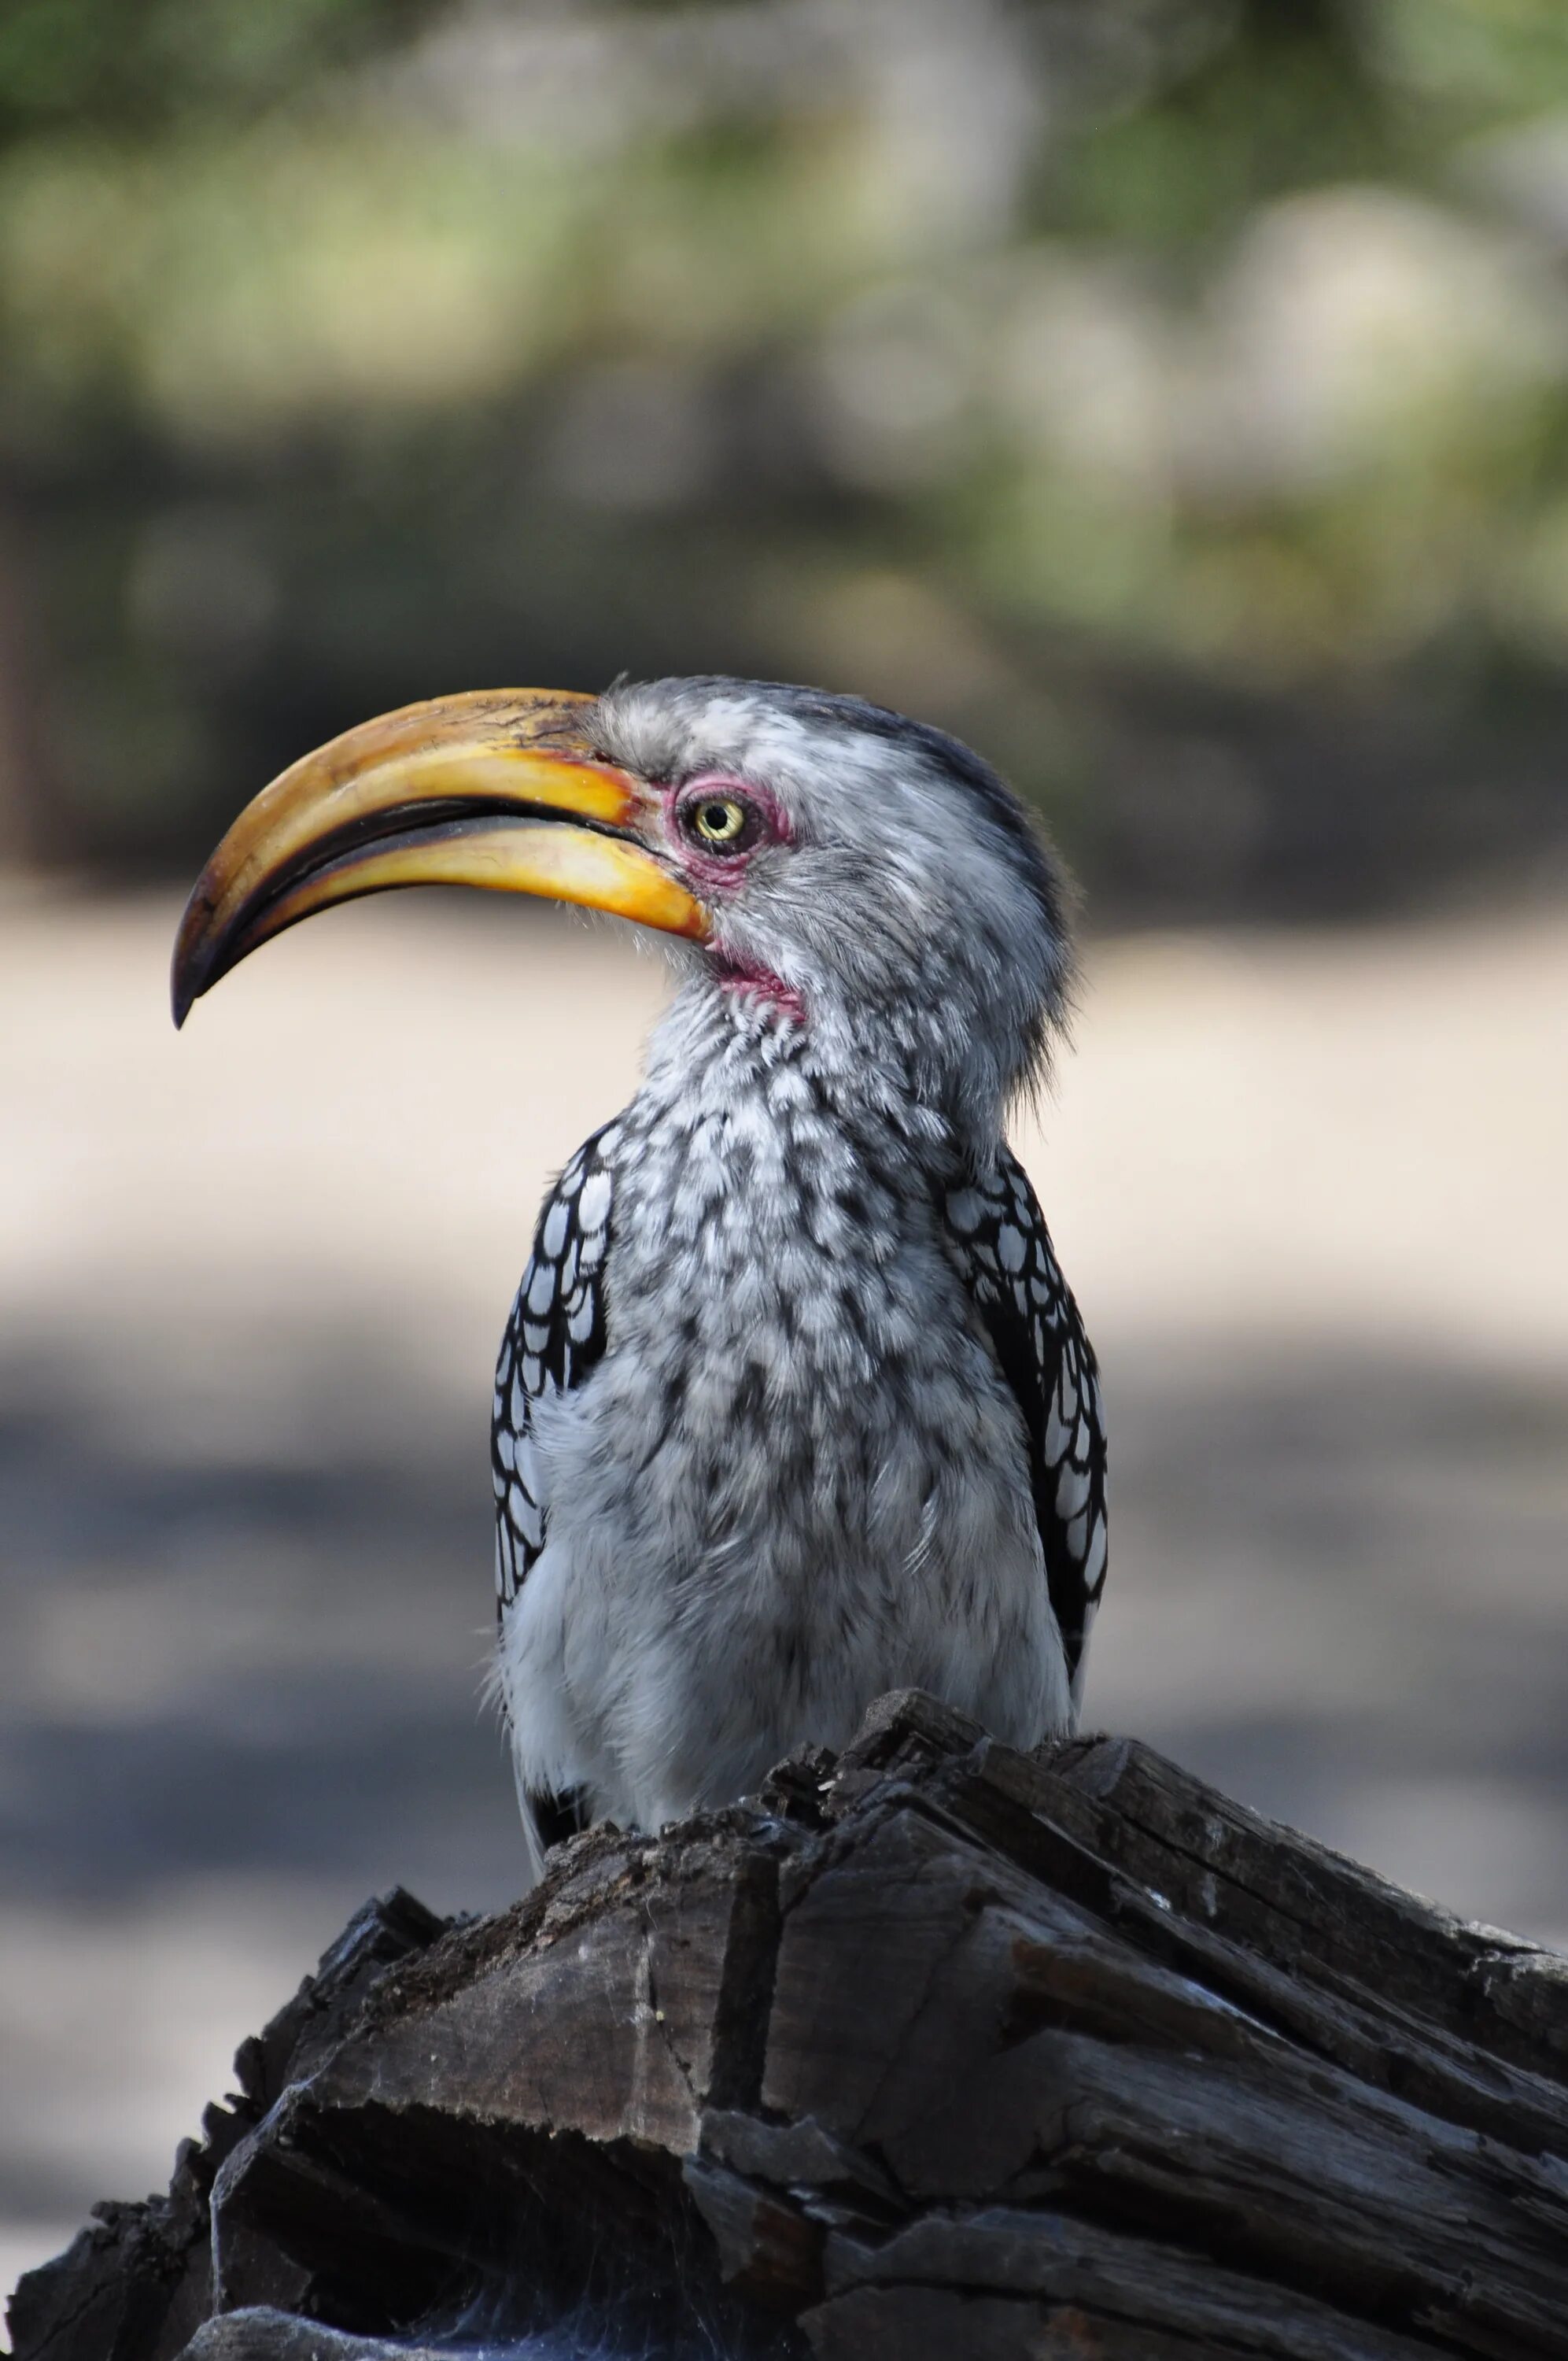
719, 821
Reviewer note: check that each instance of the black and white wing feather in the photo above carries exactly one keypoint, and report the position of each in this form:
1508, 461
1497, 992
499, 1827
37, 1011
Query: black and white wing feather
1038, 1338
554, 1336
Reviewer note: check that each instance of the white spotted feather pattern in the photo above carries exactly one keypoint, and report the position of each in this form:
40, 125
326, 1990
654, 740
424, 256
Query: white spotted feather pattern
553, 1337
1027, 1306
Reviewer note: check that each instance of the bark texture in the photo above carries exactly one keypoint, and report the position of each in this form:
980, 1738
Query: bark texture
935, 2049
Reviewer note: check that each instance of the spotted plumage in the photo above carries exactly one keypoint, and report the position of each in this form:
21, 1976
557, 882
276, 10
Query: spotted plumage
1049, 1363
552, 1339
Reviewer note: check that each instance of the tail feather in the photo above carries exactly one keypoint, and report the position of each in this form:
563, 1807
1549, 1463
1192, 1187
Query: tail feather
548, 1820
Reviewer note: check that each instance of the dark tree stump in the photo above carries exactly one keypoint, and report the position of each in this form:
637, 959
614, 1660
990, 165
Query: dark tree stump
936, 2052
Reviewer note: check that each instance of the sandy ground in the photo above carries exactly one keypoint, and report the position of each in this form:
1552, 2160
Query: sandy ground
1310, 1191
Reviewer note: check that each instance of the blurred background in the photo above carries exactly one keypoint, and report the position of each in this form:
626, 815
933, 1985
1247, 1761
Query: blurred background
1170, 396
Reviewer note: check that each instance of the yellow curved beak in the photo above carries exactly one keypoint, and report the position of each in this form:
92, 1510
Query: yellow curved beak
498, 788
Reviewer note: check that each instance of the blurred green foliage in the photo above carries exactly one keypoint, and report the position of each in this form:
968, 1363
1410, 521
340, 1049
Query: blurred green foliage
1170, 395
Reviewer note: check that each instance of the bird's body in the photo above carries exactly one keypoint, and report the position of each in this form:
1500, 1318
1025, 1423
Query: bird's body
784, 1469
794, 1406
796, 1475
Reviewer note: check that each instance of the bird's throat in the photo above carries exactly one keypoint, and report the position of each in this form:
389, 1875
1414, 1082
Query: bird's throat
744, 980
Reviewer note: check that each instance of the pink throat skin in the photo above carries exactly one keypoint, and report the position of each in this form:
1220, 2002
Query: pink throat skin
740, 976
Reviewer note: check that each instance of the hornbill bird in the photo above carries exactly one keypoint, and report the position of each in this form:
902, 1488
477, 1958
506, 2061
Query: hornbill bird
794, 1406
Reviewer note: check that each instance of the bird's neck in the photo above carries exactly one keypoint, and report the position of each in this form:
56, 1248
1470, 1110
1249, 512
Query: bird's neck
718, 1046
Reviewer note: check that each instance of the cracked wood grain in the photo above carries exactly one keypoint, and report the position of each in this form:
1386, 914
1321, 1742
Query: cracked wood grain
934, 2049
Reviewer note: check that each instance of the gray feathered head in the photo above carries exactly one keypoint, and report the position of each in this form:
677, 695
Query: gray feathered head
867, 876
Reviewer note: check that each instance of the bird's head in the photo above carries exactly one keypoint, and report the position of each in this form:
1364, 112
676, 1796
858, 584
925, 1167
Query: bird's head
826, 865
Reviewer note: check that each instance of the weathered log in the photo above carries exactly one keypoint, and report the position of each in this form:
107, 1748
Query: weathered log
937, 2049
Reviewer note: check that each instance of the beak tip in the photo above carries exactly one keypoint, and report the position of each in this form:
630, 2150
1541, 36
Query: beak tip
188, 977
191, 969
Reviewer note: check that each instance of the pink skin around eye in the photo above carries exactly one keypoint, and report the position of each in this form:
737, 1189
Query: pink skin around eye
717, 874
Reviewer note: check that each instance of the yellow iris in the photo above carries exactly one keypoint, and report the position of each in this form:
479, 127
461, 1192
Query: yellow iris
720, 821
